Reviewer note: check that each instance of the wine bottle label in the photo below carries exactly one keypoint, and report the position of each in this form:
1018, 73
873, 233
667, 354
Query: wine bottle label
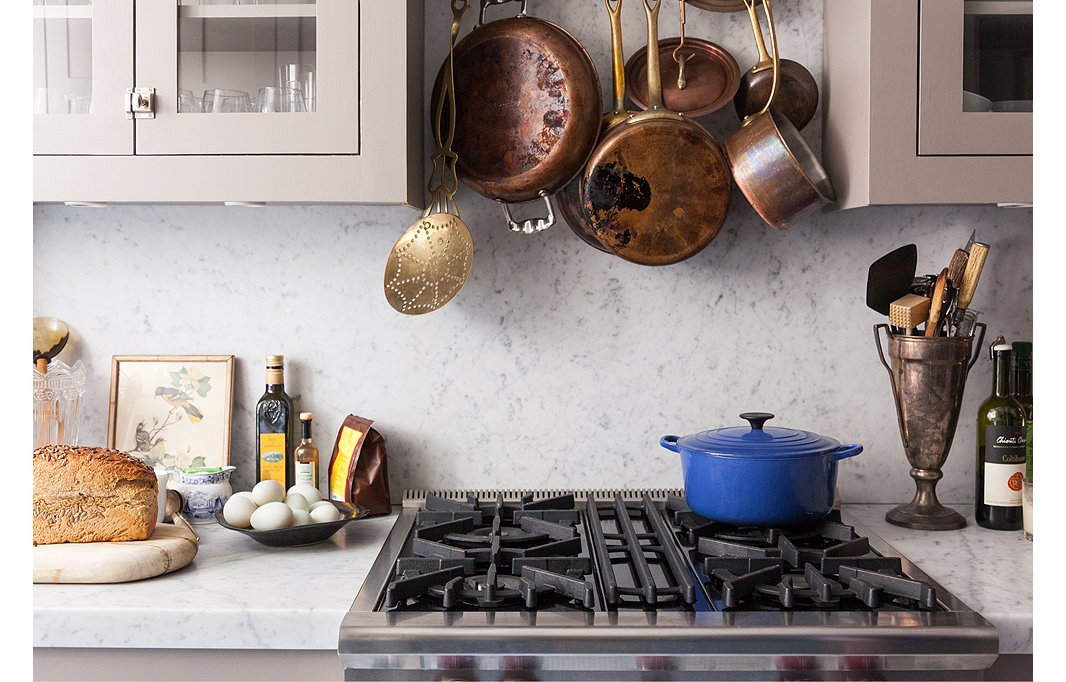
272, 457
305, 473
1004, 458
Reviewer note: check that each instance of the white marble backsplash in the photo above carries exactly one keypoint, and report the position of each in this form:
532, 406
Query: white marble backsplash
557, 365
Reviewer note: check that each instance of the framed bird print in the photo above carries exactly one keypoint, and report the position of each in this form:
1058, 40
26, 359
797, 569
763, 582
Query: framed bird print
173, 410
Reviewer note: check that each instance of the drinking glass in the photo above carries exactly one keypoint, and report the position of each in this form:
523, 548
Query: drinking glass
300, 76
78, 104
1027, 508
188, 103
273, 100
222, 101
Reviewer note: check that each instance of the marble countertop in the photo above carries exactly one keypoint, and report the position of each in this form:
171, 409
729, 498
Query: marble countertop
238, 594
990, 571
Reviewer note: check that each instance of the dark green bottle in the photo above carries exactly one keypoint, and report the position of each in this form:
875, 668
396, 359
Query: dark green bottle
275, 428
1000, 450
1021, 370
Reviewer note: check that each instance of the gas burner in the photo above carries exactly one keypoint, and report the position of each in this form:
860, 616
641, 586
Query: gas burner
507, 536
487, 591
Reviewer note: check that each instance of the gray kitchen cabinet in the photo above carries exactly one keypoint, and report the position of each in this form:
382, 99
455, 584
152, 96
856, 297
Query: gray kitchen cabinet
242, 101
928, 101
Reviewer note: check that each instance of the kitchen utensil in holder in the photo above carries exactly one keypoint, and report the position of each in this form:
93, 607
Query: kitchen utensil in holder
57, 398
928, 376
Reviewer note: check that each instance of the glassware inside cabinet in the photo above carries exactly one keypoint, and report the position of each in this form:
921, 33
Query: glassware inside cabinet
997, 56
62, 56
247, 56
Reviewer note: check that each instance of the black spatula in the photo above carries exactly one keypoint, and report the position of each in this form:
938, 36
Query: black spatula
890, 277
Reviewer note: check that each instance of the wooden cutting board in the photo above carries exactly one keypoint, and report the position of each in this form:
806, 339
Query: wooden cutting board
171, 546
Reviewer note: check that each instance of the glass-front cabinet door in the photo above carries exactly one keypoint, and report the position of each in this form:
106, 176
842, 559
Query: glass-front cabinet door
82, 65
975, 77
249, 76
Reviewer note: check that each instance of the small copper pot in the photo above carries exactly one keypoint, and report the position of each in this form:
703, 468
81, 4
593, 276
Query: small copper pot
772, 164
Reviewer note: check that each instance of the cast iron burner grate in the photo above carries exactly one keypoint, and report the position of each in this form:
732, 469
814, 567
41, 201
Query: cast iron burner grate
459, 555
822, 566
638, 567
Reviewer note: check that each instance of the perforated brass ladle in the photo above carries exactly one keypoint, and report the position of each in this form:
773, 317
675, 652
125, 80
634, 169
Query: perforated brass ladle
432, 260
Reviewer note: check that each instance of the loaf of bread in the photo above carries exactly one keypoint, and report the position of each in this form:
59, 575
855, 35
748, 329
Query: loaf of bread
83, 494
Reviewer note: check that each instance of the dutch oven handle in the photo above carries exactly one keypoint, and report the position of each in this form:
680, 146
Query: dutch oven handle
845, 451
533, 225
670, 443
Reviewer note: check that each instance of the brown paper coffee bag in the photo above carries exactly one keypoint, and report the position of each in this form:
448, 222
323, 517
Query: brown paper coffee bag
358, 469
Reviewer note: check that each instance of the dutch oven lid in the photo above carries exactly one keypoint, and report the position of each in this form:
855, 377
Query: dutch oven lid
758, 440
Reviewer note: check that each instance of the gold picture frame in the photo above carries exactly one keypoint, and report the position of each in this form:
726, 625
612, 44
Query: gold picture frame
173, 410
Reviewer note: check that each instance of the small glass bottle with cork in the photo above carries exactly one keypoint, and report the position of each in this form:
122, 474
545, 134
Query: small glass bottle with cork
306, 454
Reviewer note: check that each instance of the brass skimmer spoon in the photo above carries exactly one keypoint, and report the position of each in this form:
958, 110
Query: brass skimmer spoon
431, 261
50, 335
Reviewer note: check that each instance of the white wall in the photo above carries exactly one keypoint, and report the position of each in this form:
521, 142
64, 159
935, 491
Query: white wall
557, 365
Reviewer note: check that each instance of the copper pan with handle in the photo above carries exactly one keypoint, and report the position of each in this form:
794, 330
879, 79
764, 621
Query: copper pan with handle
656, 189
772, 164
527, 112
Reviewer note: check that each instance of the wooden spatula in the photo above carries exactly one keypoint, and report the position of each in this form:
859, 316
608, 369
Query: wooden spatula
936, 303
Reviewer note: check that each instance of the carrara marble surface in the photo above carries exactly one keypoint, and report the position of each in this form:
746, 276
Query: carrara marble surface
991, 571
236, 594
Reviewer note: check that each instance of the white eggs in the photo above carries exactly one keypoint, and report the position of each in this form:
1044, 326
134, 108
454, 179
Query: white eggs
325, 514
297, 501
268, 491
272, 516
267, 507
309, 492
238, 511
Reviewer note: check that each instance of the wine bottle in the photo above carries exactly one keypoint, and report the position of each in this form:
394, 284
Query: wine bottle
1000, 450
1021, 370
306, 454
274, 427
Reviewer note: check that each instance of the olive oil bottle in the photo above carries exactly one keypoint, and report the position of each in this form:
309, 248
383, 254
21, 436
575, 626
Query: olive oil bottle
1000, 450
274, 428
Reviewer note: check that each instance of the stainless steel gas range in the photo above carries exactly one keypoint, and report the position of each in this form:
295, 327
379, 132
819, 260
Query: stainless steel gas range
632, 585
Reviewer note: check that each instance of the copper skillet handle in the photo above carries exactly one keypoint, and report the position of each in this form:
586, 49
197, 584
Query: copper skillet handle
486, 3
618, 60
772, 58
533, 225
655, 78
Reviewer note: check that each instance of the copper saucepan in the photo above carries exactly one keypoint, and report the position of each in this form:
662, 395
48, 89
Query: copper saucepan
528, 110
797, 91
772, 164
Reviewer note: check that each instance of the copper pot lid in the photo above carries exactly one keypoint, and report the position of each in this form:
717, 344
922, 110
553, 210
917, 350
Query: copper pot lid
712, 76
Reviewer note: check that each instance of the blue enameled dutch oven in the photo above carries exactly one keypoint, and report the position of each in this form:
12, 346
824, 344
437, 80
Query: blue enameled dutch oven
759, 476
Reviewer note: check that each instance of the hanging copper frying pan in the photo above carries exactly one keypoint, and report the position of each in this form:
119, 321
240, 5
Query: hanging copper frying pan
528, 110
656, 189
569, 197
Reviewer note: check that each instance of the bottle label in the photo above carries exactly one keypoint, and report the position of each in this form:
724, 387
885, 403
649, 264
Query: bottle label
305, 473
1004, 459
272, 457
